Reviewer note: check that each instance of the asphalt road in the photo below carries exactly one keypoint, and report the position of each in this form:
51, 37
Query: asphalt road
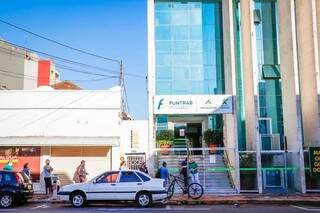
105, 207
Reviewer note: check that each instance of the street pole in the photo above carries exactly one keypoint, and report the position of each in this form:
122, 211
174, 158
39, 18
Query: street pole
121, 82
285, 164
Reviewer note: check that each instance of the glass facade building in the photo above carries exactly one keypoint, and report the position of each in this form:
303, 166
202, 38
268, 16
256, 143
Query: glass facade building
189, 47
262, 53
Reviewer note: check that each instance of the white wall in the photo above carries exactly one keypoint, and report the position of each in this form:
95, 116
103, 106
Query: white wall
78, 113
140, 129
31, 74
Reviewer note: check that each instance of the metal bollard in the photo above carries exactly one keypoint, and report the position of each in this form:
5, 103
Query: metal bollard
55, 180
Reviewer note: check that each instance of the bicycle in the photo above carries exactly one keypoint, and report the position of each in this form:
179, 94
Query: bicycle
194, 190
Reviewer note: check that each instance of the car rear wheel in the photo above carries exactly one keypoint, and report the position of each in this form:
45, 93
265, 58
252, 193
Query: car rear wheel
78, 199
144, 199
6, 200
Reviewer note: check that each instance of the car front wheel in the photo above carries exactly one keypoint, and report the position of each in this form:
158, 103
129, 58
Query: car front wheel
144, 199
78, 199
6, 200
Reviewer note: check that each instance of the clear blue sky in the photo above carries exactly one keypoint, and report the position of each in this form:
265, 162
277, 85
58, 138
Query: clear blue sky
112, 28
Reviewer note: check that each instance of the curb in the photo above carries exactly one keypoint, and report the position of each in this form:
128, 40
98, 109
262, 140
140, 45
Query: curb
244, 201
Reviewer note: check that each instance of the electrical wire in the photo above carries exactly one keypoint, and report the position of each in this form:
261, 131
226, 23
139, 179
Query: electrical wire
72, 61
59, 43
23, 76
68, 68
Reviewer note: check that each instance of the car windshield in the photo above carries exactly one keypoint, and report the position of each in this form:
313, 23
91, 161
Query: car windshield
99, 175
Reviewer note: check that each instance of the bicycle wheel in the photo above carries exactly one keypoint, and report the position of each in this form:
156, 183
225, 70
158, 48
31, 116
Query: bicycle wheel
195, 190
170, 191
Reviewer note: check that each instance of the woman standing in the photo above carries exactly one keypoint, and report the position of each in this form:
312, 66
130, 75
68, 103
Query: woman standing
82, 172
26, 170
47, 170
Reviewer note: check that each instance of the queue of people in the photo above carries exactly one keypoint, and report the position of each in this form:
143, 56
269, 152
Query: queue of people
81, 173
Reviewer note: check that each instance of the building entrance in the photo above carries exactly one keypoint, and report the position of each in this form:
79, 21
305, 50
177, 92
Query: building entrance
194, 134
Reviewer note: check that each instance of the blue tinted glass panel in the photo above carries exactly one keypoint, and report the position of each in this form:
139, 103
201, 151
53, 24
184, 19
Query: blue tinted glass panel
189, 44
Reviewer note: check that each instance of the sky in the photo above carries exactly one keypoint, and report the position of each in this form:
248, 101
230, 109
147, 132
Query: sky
112, 28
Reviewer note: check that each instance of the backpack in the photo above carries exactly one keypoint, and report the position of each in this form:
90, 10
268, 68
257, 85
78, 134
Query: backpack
157, 174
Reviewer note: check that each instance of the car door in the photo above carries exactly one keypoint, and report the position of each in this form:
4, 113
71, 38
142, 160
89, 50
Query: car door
129, 183
104, 187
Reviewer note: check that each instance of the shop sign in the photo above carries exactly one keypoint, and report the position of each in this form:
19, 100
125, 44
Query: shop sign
193, 104
314, 156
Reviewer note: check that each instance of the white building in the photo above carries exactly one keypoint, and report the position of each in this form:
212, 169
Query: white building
18, 68
65, 126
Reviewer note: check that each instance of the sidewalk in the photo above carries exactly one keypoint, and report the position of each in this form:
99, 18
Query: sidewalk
307, 199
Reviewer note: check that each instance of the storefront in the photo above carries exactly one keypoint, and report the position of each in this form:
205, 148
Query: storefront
21, 155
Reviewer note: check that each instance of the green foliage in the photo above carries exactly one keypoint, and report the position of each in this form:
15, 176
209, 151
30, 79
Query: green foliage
212, 137
164, 137
247, 161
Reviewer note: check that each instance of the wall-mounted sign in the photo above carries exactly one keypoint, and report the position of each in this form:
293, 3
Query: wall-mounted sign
314, 156
193, 104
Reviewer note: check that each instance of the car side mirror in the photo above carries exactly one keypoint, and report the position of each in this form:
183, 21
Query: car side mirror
94, 181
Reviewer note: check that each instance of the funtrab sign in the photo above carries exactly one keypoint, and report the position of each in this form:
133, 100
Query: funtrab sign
314, 156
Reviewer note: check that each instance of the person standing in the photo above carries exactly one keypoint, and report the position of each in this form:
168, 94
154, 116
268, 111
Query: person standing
82, 172
47, 172
123, 165
8, 166
26, 170
193, 167
143, 168
184, 171
164, 173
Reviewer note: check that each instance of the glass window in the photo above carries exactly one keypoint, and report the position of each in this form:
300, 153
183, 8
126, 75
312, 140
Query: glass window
180, 46
162, 18
195, 17
179, 33
109, 177
163, 46
270, 71
191, 43
179, 18
181, 73
163, 72
161, 6
8, 177
143, 177
195, 32
180, 59
163, 87
163, 59
163, 33
129, 177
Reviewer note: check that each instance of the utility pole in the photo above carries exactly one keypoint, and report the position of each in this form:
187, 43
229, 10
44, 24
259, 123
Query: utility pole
121, 84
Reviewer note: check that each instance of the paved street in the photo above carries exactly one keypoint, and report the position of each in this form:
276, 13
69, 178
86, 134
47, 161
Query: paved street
105, 207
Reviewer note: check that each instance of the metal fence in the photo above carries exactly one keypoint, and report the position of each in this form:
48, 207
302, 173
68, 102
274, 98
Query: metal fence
224, 170
216, 167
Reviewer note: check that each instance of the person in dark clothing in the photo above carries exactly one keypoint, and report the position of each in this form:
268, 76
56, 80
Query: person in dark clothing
26, 170
184, 171
143, 168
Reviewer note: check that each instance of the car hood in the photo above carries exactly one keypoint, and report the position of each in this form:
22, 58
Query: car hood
75, 186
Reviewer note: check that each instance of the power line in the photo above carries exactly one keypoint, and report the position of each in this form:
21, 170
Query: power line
60, 43
72, 61
23, 76
67, 67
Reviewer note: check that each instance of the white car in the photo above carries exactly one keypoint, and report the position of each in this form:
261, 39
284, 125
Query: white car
128, 185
